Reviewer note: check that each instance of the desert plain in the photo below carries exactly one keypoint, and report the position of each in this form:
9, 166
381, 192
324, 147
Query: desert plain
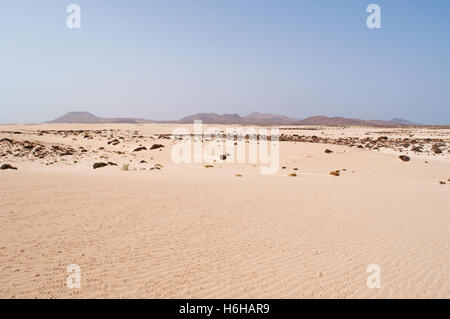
141, 226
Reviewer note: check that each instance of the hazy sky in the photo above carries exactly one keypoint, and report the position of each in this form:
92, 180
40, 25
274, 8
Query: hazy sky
167, 59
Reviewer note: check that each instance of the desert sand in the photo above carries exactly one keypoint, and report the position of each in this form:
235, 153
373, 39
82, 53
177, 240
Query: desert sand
149, 228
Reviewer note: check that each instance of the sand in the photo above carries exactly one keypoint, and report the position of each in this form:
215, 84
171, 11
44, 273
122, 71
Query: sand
186, 231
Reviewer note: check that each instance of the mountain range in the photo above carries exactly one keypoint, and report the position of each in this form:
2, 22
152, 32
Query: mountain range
254, 118
86, 117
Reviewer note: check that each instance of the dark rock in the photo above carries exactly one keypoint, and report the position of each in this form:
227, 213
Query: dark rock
7, 166
142, 148
114, 142
156, 146
328, 151
67, 153
99, 165
7, 140
404, 158
223, 157
436, 149
335, 173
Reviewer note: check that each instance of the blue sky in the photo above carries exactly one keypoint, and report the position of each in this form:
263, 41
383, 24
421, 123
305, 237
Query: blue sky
167, 59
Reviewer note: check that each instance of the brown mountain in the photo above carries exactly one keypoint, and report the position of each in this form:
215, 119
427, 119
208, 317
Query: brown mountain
339, 121
86, 117
268, 118
213, 118
254, 118
275, 119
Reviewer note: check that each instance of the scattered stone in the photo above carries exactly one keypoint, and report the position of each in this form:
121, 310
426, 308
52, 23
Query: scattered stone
7, 166
156, 146
114, 142
335, 173
66, 153
284, 167
292, 175
142, 148
404, 158
238, 175
143, 162
223, 157
328, 151
436, 149
209, 166
442, 182
112, 164
99, 165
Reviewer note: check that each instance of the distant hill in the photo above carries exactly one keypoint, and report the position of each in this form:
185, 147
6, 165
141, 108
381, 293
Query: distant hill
86, 117
275, 119
268, 118
213, 118
403, 122
333, 121
254, 118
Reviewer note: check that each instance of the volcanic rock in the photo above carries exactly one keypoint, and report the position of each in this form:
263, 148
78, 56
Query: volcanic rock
99, 165
156, 146
7, 166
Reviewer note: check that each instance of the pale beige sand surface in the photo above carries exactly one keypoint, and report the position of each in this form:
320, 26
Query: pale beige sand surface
186, 231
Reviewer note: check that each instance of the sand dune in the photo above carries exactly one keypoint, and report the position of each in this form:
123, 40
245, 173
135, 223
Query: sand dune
186, 231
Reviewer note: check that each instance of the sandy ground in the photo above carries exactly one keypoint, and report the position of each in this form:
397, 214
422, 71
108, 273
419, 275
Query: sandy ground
186, 231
